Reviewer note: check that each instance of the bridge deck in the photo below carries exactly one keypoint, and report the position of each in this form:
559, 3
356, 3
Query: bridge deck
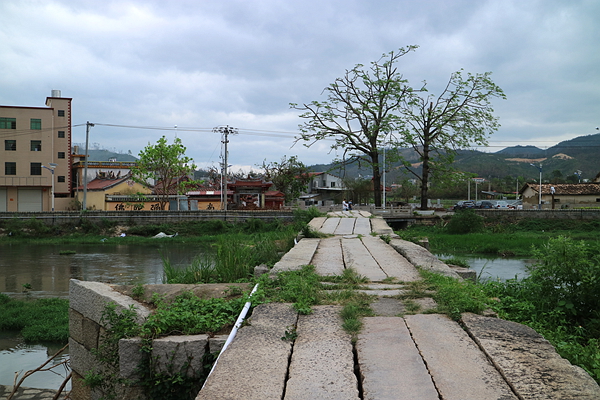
422, 356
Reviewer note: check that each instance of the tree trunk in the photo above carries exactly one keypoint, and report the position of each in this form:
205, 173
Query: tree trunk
376, 179
425, 178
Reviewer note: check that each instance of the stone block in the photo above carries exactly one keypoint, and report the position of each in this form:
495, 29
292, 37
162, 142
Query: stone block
173, 353
216, 343
254, 366
76, 325
90, 333
79, 391
420, 257
528, 362
90, 299
82, 360
260, 270
130, 357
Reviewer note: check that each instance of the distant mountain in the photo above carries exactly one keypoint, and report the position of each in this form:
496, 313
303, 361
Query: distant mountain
521, 151
567, 157
105, 155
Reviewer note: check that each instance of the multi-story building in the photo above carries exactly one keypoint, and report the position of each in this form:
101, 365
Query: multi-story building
35, 156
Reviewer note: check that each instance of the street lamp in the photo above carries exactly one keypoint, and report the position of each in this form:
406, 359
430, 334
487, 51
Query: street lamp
51, 169
540, 200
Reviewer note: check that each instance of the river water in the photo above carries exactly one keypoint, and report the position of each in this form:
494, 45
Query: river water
48, 273
493, 267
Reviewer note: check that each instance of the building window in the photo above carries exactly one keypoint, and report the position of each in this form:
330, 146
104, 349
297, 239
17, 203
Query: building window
36, 145
36, 168
10, 145
61, 113
332, 184
60, 178
36, 124
10, 168
61, 154
61, 134
8, 123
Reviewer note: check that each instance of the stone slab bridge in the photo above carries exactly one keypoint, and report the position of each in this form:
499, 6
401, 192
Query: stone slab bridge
418, 357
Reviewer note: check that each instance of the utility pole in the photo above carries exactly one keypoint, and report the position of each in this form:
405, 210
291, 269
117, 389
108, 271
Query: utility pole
225, 131
88, 125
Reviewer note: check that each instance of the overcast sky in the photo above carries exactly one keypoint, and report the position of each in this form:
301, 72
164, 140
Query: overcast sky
201, 64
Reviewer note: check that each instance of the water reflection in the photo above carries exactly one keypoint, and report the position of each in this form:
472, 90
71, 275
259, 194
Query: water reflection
48, 272
495, 267
17, 356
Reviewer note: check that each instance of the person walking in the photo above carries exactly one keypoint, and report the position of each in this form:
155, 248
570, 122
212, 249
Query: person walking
344, 205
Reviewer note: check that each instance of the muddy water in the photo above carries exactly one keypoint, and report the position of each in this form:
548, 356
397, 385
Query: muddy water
48, 273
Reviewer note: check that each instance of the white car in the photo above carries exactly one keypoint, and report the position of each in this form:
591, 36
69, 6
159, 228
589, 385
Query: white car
502, 204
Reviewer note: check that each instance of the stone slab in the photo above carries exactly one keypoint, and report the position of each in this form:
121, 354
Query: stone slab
90, 300
460, 370
388, 307
316, 223
254, 366
383, 293
330, 225
390, 364
172, 352
529, 362
322, 364
390, 261
328, 258
380, 227
382, 286
357, 256
362, 226
299, 255
421, 257
345, 227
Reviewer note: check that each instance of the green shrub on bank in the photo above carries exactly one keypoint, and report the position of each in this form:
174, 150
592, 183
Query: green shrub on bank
37, 320
559, 299
465, 221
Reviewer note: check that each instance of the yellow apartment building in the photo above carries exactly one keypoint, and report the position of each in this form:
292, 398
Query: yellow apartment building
35, 156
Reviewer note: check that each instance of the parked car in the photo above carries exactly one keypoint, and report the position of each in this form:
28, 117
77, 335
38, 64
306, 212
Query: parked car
502, 204
463, 205
484, 204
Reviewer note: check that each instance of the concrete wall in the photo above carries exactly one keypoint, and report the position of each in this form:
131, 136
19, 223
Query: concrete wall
88, 301
542, 214
147, 217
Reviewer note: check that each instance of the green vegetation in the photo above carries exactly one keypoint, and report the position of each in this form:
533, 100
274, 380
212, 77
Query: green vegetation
36, 320
188, 314
559, 299
500, 237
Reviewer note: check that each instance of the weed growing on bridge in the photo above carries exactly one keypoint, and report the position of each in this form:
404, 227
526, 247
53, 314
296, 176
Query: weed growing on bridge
455, 297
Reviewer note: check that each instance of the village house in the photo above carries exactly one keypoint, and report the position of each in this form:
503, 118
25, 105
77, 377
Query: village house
108, 192
323, 189
562, 195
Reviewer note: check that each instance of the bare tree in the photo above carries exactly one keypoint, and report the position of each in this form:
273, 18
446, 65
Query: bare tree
361, 112
438, 126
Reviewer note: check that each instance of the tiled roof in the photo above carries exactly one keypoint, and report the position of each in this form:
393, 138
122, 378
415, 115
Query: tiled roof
567, 188
103, 183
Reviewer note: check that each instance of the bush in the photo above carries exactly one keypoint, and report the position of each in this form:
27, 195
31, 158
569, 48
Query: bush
465, 221
567, 280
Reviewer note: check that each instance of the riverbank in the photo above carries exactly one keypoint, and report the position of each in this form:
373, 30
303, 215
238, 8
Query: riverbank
502, 239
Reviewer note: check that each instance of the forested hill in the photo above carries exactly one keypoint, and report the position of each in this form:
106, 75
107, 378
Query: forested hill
567, 157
